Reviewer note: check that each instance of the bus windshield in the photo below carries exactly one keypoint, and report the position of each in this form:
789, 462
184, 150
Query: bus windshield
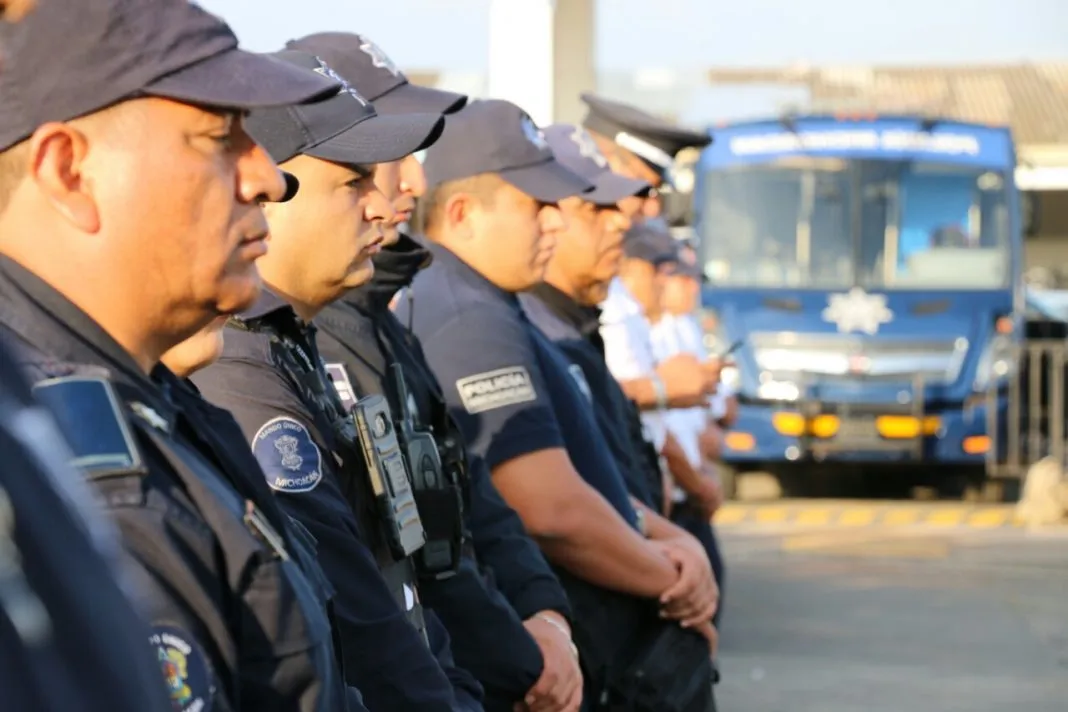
830, 223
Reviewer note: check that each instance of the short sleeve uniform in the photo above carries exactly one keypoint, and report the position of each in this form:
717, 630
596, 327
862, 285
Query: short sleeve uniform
507, 385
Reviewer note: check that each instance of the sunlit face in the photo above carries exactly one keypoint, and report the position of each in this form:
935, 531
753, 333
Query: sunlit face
590, 250
178, 191
520, 233
679, 294
641, 281
401, 182
323, 239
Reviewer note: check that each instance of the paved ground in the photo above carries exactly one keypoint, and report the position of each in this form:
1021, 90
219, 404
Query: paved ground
950, 613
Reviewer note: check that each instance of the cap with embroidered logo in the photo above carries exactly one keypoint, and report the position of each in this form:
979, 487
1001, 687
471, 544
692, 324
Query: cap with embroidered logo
364, 65
70, 58
344, 128
496, 136
576, 149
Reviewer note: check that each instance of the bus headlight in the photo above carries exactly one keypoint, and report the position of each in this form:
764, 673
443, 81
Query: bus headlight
996, 363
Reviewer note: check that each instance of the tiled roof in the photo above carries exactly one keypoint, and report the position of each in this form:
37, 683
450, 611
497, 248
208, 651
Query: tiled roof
1031, 98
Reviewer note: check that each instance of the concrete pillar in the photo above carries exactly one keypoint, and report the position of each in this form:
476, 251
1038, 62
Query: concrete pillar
574, 52
541, 56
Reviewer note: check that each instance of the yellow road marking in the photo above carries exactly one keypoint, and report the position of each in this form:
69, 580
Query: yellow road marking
901, 517
990, 518
857, 517
814, 516
945, 518
843, 514
772, 515
730, 515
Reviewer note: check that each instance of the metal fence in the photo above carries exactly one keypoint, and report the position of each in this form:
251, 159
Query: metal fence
1030, 424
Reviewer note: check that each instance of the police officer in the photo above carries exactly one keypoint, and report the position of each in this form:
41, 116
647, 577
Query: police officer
638, 144
699, 431
564, 306
641, 145
651, 259
587, 258
492, 217
137, 131
272, 379
197, 352
361, 340
59, 650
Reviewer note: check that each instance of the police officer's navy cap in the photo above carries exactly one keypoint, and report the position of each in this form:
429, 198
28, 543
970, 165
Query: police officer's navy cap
649, 137
343, 128
688, 263
70, 58
364, 65
650, 241
576, 149
496, 136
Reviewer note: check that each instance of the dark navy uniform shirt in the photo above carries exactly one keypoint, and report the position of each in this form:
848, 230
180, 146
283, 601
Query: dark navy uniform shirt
574, 329
361, 334
227, 612
59, 649
384, 655
509, 387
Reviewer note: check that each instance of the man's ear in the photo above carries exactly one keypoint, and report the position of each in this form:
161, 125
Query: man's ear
459, 211
57, 166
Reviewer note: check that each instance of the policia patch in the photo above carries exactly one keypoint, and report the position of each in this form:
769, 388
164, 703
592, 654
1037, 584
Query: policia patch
185, 669
496, 389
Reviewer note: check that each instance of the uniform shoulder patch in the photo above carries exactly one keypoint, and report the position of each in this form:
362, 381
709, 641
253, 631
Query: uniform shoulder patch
290, 459
186, 672
580, 380
496, 389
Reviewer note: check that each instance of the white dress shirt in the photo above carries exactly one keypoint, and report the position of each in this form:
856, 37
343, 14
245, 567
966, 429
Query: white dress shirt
672, 335
628, 347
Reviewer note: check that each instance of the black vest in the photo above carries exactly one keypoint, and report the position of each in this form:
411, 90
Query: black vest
294, 351
262, 615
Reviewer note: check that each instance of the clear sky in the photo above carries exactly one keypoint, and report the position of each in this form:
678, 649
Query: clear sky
686, 34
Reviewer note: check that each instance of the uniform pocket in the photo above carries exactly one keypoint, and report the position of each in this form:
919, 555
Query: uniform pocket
285, 640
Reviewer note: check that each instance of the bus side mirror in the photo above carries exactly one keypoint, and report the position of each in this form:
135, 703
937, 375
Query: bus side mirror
1030, 212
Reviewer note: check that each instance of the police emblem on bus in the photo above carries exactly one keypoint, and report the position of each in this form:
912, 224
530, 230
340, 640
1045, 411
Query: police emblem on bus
857, 310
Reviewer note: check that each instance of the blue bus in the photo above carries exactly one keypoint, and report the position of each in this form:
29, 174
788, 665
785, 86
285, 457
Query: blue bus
869, 271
